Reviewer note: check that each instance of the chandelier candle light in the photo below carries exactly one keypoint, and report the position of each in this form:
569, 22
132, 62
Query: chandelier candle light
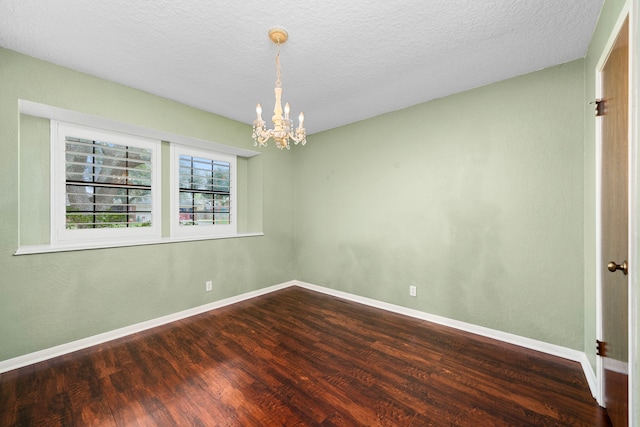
282, 126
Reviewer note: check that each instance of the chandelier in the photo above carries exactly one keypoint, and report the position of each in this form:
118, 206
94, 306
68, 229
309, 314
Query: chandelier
282, 130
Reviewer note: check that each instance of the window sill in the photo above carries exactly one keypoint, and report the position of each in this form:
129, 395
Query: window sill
43, 249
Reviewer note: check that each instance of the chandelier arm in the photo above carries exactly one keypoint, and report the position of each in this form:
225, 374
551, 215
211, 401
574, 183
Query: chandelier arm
264, 135
260, 134
299, 138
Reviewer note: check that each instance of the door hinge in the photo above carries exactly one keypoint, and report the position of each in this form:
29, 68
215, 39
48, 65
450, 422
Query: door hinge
600, 107
601, 348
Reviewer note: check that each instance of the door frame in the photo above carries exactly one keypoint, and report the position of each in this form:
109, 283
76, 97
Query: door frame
630, 11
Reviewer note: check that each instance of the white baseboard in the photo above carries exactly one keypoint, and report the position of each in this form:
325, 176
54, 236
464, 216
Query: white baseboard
555, 350
615, 365
59, 350
552, 349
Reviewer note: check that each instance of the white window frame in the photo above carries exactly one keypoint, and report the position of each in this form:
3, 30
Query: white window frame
99, 237
179, 232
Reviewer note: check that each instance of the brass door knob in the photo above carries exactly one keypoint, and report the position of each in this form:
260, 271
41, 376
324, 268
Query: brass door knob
612, 266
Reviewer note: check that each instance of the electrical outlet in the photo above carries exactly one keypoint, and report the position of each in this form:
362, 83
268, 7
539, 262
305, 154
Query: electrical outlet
413, 291
208, 286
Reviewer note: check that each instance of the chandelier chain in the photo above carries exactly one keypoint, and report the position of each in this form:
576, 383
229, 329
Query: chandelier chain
278, 83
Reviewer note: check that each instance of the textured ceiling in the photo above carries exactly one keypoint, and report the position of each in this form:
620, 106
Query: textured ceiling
345, 60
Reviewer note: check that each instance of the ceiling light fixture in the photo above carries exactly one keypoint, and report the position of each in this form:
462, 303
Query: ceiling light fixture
282, 126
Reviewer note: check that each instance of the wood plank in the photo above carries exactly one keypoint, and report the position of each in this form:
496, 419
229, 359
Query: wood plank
296, 357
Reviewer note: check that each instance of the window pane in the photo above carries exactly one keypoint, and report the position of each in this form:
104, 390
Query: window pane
205, 187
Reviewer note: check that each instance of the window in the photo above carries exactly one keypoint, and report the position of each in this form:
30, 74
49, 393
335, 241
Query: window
203, 192
105, 186
106, 190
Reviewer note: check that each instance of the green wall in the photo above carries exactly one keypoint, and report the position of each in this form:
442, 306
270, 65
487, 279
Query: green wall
477, 199
55, 298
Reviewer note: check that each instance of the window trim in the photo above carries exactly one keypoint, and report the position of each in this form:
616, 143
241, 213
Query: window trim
61, 114
45, 249
176, 230
60, 235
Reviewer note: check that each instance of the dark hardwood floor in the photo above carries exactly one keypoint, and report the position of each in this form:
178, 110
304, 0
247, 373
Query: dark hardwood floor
300, 358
